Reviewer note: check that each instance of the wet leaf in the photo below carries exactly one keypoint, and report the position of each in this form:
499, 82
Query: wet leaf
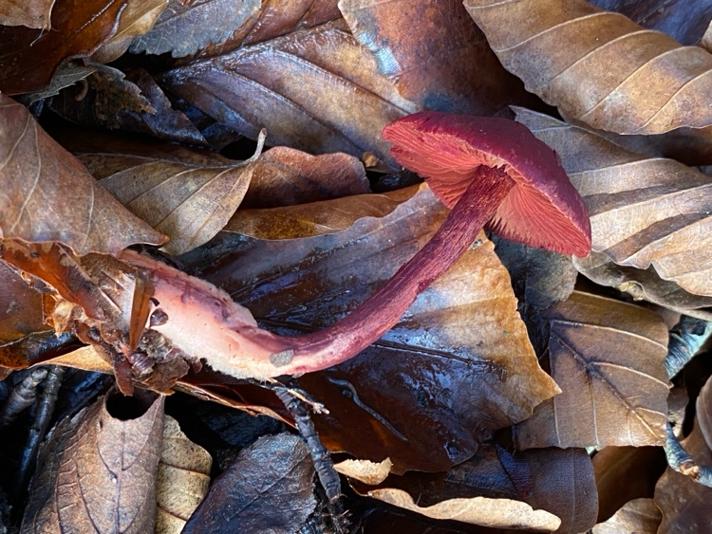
644, 211
284, 176
269, 488
137, 19
187, 26
29, 57
182, 481
608, 357
186, 195
643, 285
611, 74
434, 54
48, 195
639, 516
457, 380
270, 85
30, 13
98, 468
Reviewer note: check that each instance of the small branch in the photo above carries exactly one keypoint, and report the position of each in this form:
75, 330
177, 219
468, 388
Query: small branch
680, 461
686, 338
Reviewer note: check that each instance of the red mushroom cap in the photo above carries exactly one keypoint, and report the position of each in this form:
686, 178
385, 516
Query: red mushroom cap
543, 208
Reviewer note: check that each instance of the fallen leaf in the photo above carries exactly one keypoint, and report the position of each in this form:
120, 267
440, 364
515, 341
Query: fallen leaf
285, 176
28, 57
644, 211
270, 85
644, 285
434, 54
269, 488
66, 75
608, 357
182, 481
48, 195
457, 380
706, 41
186, 195
20, 307
639, 516
365, 471
98, 468
611, 74
31, 13
137, 19
186, 26
704, 412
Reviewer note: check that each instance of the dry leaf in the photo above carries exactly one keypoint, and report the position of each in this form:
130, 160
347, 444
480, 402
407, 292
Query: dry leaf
284, 176
639, 516
644, 285
187, 26
182, 481
365, 471
97, 470
459, 363
28, 58
434, 54
644, 211
704, 412
20, 307
30, 13
608, 357
68, 73
269, 488
137, 19
611, 74
48, 195
270, 85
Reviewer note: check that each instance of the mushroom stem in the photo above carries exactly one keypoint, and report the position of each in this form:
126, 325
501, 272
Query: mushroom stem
382, 310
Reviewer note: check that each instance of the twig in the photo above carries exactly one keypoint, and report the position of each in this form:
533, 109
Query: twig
679, 460
686, 338
43, 415
23, 396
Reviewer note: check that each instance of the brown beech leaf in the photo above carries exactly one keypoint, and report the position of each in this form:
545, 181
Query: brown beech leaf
20, 307
644, 211
284, 176
137, 19
182, 481
611, 74
607, 356
706, 41
271, 85
28, 57
459, 363
30, 13
704, 412
639, 516
48, 195
434, 54
644, 285
97, 469
685, 503
268, 488
188, 26
186, 195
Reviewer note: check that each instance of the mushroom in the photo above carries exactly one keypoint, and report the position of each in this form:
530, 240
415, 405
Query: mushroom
490, 171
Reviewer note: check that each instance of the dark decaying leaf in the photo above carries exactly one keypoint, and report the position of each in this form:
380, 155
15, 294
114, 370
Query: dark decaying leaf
130, 101
68, 73
29, 57
639, 516
98, 468
47, 194
433, 52
269, 488
644, 211
611, 75
608, 358
643, 285
458, 365
30, 13
271, 85
684, 20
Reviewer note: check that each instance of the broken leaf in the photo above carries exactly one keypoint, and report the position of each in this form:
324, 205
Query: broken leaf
644, 211
611, 74
182, 481
437, 58
48, 195
639, 516
28, 58
98, 468
608, 357
269, 488
20, 306
30, 13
